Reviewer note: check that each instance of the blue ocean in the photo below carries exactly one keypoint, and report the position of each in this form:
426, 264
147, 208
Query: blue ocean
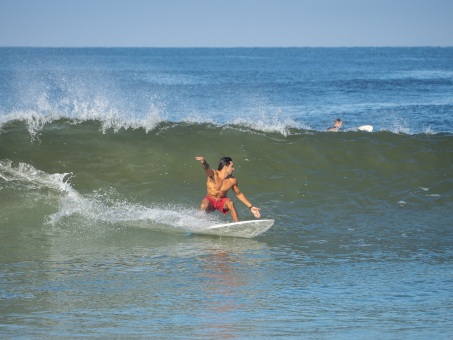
100, 193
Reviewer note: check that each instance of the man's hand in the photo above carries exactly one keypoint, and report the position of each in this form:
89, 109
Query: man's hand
255, 211
201, 159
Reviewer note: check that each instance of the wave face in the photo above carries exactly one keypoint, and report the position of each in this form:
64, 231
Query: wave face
76, 170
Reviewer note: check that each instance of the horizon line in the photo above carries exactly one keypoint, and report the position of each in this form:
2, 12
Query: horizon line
236, 47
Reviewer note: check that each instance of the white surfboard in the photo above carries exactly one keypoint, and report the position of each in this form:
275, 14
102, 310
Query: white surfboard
367, 128
246, 229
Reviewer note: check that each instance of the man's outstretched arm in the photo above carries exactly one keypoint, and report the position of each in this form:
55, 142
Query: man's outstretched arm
255, 210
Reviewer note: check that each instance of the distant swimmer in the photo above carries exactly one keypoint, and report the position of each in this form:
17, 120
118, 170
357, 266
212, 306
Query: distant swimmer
218, 183
336, 125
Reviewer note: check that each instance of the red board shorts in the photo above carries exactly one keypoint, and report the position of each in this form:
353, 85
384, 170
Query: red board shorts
217, 204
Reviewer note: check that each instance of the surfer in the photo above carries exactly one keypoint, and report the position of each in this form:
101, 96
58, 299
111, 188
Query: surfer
218, 183
336, 125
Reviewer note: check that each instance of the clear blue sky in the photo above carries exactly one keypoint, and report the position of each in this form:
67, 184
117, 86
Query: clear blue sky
226, 23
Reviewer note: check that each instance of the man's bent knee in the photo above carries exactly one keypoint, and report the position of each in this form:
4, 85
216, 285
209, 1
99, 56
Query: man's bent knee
229, 204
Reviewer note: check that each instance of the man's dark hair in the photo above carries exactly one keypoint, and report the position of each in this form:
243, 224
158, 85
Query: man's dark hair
224, 161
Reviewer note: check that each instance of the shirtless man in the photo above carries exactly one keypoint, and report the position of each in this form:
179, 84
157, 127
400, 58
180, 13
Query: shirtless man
218, 183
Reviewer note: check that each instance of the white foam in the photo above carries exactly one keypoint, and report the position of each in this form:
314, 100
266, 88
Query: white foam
33, 178
79, 110
103, 210
267, 121
36, 178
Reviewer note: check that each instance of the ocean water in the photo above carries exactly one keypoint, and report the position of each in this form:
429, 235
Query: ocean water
99, 189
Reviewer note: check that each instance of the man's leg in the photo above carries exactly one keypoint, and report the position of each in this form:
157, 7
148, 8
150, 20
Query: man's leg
205, 205
230, 205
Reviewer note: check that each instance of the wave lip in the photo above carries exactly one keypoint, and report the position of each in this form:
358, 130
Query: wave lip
100, 111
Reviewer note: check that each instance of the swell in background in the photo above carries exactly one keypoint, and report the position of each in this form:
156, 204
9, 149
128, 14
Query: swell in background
394, 89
